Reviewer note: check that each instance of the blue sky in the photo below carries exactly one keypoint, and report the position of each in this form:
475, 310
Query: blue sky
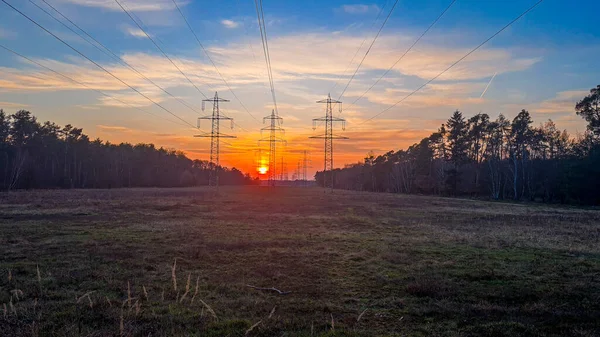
545, 62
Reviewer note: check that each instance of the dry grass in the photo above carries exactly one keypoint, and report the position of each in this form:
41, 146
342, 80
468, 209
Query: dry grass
422, 266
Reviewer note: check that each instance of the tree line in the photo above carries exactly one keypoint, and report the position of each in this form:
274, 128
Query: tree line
36, 155
492, 158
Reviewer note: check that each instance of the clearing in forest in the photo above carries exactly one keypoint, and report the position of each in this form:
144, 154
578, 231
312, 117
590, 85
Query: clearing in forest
102, 263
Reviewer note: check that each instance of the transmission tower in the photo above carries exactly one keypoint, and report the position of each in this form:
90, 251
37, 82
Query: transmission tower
283, 174
215, 136
305, 165
329, 136
274, 129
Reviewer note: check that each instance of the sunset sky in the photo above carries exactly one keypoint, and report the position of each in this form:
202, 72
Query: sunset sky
545, 62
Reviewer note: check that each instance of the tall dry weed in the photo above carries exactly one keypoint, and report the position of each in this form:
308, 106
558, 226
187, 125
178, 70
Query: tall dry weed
129, 295
187, 288
210, 310
196, 291
174, 276
252, 327
361, 315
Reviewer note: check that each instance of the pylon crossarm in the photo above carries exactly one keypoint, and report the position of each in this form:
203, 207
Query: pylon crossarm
328, 101
215, 100
272, 128
222, 135
277, 140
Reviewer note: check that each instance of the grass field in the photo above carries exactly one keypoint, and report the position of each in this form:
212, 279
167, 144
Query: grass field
101, 263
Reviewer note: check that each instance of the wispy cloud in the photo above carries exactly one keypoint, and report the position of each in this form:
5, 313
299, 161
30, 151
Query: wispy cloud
359, 9
563, 102
11, 105
6, 34
230, 24
135, 32
134, 5
301, 72
114, 128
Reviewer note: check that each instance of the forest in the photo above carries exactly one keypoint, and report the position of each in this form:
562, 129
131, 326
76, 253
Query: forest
497, 158
36, 155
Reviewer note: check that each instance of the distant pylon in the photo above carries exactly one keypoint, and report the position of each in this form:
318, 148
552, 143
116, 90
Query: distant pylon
215, 135
273, 139
328, 179
305, 166
283, 172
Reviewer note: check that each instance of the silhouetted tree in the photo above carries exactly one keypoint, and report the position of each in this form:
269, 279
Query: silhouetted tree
459, 147
498, 158
34, 155
589, 109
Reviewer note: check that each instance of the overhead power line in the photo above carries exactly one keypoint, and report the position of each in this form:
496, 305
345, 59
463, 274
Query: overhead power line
369, 49
84, 85
406, 52
211, 60
265, 43
95, 63
160, 49
359, 48
455, 63
107, 50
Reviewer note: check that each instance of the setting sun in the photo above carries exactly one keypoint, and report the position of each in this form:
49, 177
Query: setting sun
263, 170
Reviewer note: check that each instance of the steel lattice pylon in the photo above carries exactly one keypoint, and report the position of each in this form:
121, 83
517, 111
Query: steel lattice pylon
305, 166
273, 139
328, 180
215, 136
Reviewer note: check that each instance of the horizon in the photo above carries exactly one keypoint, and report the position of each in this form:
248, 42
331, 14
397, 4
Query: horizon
542, 63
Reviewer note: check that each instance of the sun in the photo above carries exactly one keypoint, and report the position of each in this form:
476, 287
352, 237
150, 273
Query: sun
262, 170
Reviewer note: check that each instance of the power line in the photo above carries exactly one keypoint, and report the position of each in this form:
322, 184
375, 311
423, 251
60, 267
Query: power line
369, 49
237, 2
265, 43
83, 84
455, 63
359, 48
211, 60
159, 48
95, 63
107, 51
249, 42
235, 124
406, 52
73, 31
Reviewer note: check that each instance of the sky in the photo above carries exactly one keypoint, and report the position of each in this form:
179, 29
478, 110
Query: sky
545, 63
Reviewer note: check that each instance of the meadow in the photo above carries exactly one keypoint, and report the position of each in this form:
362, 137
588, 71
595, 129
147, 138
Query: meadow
187, 262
